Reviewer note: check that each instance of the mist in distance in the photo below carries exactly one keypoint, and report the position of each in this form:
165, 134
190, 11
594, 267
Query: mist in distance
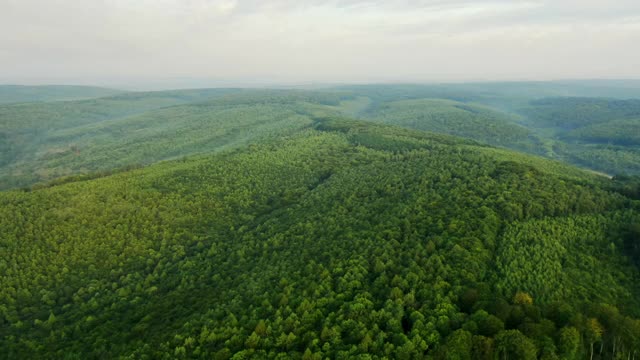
202, 43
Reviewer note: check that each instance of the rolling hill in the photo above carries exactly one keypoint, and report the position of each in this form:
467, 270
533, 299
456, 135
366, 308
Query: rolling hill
552, 119
44, 141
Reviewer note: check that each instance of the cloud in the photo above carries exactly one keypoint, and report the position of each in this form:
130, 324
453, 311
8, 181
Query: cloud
313, 40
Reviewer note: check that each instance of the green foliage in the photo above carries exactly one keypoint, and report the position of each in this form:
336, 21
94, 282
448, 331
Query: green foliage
458, 346
569, 342
512, 344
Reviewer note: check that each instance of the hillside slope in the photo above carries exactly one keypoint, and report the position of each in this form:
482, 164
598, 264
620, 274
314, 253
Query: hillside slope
343, 240
43, 141
455, 118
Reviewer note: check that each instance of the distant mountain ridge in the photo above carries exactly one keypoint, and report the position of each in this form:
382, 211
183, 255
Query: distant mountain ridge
25, 93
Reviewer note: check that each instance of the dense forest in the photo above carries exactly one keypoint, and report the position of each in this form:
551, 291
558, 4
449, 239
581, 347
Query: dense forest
294, 224
343, 240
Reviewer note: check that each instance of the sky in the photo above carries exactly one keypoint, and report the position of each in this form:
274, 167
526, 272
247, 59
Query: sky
236, 42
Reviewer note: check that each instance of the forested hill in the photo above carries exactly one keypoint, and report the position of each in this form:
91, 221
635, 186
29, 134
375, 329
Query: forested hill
344, 239
472, 121
44, 141
552, 119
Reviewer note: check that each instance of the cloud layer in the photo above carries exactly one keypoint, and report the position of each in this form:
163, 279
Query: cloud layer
119, 41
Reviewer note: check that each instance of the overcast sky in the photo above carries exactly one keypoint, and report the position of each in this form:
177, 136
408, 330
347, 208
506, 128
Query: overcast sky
302, 41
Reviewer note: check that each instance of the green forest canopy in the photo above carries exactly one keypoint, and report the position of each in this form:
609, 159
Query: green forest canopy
345, 239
